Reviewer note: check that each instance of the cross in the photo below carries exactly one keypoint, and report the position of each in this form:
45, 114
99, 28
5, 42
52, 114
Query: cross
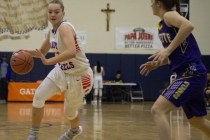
107, 11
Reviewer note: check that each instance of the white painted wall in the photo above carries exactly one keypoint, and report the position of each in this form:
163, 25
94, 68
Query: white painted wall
86, 16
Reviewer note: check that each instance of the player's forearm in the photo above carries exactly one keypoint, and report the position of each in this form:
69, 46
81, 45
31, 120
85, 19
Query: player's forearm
32, 52
66, 55
165, 62
45, 49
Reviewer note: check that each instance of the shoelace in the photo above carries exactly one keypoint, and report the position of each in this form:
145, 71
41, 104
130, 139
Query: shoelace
70, 134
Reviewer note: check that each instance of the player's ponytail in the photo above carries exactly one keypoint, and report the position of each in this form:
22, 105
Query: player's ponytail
170, 4
98, 66
177, 4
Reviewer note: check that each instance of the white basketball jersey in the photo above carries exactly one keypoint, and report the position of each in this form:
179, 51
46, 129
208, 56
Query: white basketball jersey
77, 65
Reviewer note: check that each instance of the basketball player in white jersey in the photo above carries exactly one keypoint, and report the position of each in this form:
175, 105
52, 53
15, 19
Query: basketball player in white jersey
72, 73
98, 72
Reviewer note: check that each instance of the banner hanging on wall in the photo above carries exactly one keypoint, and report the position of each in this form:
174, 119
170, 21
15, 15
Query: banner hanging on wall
82, 38
185, 8
137, 38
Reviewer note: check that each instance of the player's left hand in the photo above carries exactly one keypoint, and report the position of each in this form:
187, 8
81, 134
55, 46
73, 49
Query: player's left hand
160, 56
147, 67
42, 57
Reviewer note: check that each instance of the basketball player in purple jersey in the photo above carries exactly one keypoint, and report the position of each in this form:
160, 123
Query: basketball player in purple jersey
72, 73
182, 53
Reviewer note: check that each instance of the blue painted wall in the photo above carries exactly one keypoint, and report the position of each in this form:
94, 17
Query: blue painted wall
127, 63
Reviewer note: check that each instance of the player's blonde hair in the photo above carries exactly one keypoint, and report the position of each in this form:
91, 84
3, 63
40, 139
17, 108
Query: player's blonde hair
58, 2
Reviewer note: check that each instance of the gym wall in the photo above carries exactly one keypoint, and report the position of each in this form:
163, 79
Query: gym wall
87, 16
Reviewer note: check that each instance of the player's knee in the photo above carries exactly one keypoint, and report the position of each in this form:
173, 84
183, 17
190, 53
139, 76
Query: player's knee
38, 101
156, 112
71, 115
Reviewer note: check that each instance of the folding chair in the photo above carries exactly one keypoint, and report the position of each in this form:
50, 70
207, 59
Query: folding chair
137, 93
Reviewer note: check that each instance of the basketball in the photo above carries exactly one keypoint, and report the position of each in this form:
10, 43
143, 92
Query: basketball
21, 62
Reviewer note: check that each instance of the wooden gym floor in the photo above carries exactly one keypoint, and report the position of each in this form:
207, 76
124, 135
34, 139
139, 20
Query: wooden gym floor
114, 121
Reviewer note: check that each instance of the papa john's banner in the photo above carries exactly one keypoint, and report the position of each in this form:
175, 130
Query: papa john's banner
137, 38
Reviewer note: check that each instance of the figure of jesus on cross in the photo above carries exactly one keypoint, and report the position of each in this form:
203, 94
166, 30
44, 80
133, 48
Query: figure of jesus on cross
107, 11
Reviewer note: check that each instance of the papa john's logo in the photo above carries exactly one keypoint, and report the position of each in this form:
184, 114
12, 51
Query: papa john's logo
138, 38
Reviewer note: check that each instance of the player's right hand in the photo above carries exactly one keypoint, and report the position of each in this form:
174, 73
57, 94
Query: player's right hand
32, 52
147, 67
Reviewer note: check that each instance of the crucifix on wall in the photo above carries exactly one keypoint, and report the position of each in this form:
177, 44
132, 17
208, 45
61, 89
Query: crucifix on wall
107, 11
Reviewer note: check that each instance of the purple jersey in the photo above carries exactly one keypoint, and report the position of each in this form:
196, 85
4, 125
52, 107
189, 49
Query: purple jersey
188, 88
186, 53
